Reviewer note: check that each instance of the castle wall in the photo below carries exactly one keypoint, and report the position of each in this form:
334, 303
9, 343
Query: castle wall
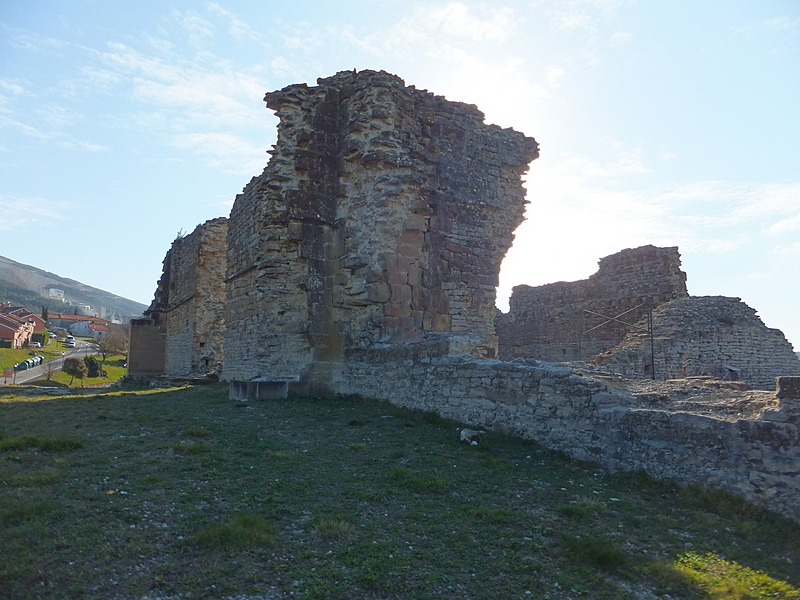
146, 345
380, 220
591, 418
190, 301
707, 335
551, 322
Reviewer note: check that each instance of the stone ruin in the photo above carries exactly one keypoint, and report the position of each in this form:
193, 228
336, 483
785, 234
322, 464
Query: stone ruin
604, 319
706, 335
183, 333
562, 321
364, 260
381, 220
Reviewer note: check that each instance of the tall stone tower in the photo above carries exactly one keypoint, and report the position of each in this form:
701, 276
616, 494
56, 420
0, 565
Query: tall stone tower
380, 221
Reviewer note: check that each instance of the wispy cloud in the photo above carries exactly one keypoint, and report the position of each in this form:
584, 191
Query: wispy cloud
582, 209
455, 21
224, 151
24, 212
571, 15
82, 145
782, 23
237, 28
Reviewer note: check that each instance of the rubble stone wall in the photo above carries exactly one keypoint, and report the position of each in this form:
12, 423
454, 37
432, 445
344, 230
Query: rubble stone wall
707, 335
146, 344
756, 456
380, 220
190, 301
551, 322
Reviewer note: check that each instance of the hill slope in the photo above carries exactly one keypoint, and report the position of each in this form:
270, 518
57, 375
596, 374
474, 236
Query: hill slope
30, 287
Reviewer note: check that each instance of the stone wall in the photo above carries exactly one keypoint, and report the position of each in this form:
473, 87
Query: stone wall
190, 301
745, 442
146, 344
380, 220
561, 322
707, 335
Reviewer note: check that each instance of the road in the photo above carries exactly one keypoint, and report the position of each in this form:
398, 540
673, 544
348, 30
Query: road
81, 349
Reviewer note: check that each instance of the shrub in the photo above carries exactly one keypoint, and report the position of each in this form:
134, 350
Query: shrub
92, 366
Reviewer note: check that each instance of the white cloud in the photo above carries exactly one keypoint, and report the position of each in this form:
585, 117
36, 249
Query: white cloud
583, 209
238, 28
25, 212
620, 38
197, 28
554, 74
452, 23
82, 145
572, 15
11, 87
786, 225
782, 23
225, 151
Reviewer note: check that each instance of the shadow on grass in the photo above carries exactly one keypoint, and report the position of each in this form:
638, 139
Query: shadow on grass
48, 384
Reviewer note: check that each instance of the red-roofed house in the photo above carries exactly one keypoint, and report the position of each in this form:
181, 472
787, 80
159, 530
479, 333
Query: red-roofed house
23, 314
78, 324
15, 333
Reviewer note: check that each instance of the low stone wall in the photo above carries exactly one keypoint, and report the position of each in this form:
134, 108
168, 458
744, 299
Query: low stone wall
596, 418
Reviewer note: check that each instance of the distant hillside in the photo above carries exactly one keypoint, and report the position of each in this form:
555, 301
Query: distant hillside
28, 286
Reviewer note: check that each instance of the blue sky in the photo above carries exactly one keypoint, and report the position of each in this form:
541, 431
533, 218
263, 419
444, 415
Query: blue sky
667, 123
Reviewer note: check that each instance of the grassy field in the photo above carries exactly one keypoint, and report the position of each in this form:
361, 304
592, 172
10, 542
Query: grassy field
187, 494
9, 357
114, 368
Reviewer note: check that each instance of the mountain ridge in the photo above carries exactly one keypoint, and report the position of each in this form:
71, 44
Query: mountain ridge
19, 278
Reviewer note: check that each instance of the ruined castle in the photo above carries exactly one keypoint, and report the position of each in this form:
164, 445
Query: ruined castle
365, 258
635, 317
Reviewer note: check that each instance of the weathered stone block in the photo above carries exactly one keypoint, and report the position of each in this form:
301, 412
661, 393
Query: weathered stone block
788, 387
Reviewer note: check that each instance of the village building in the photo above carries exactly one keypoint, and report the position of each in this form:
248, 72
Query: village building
18, 326
80, 325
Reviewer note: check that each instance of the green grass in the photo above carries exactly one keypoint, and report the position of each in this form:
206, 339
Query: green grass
113, 367
9, 357
243, 531
25, 442
185, 493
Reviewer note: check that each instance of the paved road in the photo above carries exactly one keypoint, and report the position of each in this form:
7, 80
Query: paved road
81, 349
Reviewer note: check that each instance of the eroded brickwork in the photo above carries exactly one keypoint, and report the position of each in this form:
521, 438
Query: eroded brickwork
707, 335
190, 301
380, 220
559, 321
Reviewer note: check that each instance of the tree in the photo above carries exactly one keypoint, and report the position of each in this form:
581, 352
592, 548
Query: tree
45, 314
76, 368
49, 369
115, 342
92, 366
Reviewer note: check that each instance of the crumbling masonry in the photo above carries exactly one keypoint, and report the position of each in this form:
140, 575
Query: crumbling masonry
186, 321
604, 319
381, 220
364, 260
561, 321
